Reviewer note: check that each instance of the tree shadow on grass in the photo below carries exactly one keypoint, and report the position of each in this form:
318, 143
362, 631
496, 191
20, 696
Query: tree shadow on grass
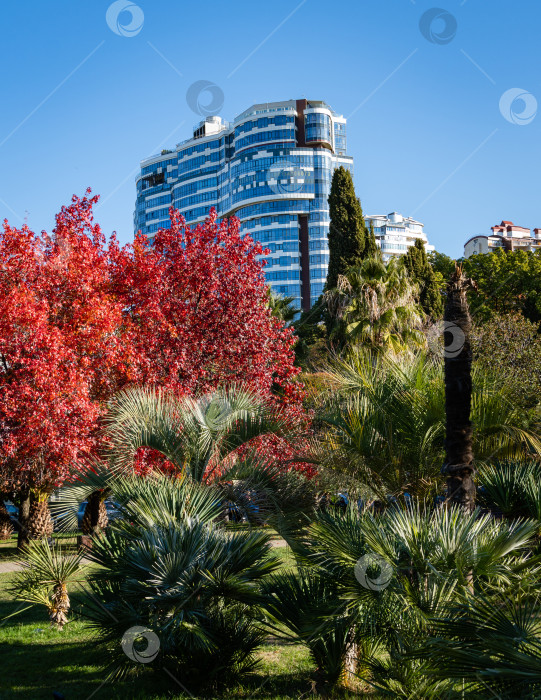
37, 661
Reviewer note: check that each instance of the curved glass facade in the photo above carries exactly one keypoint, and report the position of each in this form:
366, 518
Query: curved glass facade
318, 128
272, 168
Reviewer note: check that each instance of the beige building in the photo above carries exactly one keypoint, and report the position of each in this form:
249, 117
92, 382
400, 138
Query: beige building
506, 236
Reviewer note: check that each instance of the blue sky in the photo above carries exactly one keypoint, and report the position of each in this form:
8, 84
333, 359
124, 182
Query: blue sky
82, 105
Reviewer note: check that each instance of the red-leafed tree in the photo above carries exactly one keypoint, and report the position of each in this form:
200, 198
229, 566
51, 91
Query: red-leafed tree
199, 298
79, 319
63, 352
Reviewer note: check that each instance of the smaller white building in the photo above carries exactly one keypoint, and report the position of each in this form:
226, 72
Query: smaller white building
506, 236
396, 233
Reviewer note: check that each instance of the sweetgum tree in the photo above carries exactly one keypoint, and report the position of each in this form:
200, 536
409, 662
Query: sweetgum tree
198, 300
63, 352
80, 318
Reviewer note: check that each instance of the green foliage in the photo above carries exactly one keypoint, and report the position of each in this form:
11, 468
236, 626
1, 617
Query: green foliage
442, 264
195, 585
414, 563
374, 305
347, 232
194, 434
489, 646
372, 250
386, 422
311, 332
514, 488
422, 274
308, 606
42, 580
282, 307
442, 545
512, 344
508, 282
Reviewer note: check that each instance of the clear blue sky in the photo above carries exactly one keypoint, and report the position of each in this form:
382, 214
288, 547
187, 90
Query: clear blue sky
81, 105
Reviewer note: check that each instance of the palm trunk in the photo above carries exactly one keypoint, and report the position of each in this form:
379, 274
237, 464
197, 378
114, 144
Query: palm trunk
24, 514
40, 523
458, 388
60, 605
95, 518
351, 662
6, 528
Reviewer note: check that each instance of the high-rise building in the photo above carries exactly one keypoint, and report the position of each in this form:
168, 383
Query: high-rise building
395, 233
272, 168
507, 236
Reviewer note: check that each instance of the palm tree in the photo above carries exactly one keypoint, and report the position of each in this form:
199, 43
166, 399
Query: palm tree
372, 585
512, 488
384, 422
374, 305
490, 645
211, 440
90, 483
306, 607
199, 436
458, 464
166, 566
44, 577
282, 307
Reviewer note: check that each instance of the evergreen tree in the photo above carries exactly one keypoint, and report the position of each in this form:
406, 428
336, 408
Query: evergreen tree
371, 250
347, 234
421, 272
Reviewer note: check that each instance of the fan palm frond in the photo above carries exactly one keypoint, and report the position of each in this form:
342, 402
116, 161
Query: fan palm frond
193, 434
491, 644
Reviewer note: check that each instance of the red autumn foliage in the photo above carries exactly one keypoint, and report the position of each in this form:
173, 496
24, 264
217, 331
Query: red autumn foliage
80, 318
61, 352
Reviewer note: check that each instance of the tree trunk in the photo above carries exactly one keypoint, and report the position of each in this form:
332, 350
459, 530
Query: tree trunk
350, 664
60, 606
95, 518
40, 523
6, 528
24, 514
458, 388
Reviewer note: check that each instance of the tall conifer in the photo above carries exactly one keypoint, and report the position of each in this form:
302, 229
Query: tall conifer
348, 233
421, 272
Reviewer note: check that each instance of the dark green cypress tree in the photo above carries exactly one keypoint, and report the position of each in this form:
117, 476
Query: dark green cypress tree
421, 272
347, 233
371, 250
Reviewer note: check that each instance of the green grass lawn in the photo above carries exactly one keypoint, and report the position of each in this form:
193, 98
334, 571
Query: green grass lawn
37, 660
8, 548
